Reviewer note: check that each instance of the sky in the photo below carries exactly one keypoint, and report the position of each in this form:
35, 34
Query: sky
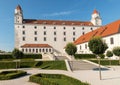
79, 10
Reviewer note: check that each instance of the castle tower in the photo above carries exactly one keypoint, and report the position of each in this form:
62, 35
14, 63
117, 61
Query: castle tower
18, 15
96, 19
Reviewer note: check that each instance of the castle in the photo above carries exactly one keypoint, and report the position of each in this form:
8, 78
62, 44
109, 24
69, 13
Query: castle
49, 36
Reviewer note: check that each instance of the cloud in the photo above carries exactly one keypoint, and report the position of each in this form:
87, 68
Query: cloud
59, 13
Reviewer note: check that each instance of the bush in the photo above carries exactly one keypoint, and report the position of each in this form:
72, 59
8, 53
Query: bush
5, 75
25, 56
6, 56
84, 56
52, 79
33, 56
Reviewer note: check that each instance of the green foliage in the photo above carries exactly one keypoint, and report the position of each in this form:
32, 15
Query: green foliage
84, 56
116, 51
51, 65
109, 53
17, 53
97, 46
32, 56
36, 64
106, 62
55, 79
101, 56
6, 75
6, 56
70, 49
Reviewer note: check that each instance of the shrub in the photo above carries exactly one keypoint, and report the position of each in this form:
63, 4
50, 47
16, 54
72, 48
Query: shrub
33, 56
84, 56
50, 79
6, 56
5, 75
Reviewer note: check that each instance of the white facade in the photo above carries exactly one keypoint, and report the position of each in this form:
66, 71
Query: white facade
56, 35
109, 33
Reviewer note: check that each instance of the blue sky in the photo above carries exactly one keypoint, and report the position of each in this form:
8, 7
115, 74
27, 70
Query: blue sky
54, 10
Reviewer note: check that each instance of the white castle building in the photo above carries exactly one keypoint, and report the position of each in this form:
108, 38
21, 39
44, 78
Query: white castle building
110, 34
42, 36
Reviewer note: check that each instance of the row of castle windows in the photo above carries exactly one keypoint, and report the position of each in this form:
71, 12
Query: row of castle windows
45, 39
55, 28
111, 42
33, 50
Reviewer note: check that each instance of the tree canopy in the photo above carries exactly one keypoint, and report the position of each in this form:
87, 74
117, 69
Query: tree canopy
109, 53
70, 49
116, 51
17, 53
97, 45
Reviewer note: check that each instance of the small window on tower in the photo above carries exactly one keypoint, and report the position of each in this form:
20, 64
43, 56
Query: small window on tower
35, 27
23, 26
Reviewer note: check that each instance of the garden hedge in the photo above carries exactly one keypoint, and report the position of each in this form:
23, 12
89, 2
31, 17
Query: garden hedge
84, 56
26, 56
50, 79
6, 75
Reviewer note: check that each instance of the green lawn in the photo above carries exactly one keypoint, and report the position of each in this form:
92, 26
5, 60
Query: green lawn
60, 65
107, 62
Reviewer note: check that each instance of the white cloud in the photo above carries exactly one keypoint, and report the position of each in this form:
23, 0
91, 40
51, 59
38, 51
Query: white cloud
59, 13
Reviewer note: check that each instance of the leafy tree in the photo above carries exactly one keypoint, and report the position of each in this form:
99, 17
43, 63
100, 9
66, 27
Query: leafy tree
109, 54
70, 49
116, 51
97, 46
17, 53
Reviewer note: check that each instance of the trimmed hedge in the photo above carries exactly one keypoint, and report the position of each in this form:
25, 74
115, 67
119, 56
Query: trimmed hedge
25, 56
6, 75
36, 64
51, 79
84, 56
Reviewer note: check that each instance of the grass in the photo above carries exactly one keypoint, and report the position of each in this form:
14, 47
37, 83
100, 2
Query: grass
52, 65
107, 62
59, 65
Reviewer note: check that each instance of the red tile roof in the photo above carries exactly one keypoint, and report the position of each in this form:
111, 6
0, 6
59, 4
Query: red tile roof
57, 22
18, 7
104, 31
95, 12
35, 45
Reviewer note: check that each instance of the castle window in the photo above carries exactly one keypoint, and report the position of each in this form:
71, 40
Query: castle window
55, 39
111, 40
35, 27
91, 28
44, 27
36, 50
35, 39
80, 47
85, 46
54, 27
74, 39
23, 32
22, 50
73, 28
54, 33
23, 26
23, 38
73, 33
49, 50
64, 33
30, 50
64, 28
39, 50
35, 33
64, 38
83, 33
46, 50
44, 32
83, 28
45, 39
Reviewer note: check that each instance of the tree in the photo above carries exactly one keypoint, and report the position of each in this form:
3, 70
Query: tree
116, 51
97, 46
109, 54
17, 53
70, 49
